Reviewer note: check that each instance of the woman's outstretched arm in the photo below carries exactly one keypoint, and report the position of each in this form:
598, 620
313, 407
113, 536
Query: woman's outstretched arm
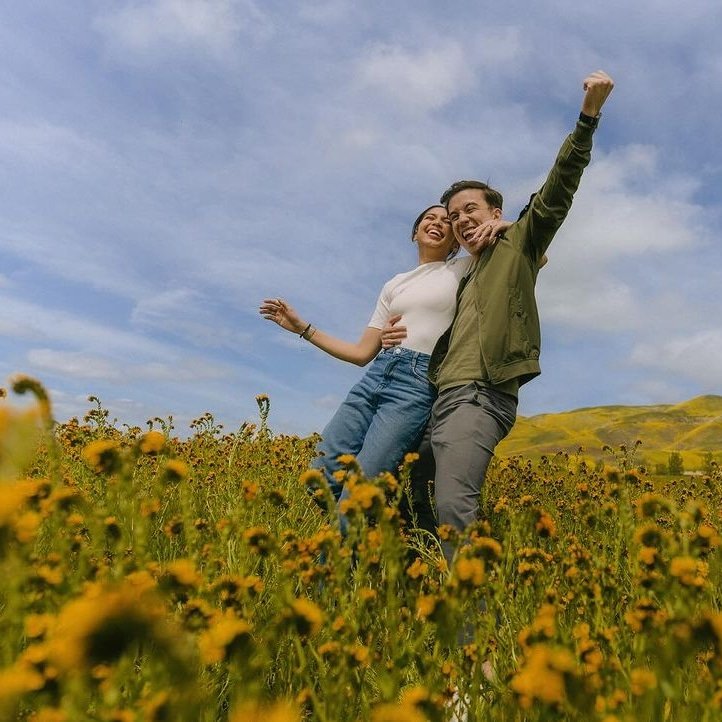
359, 353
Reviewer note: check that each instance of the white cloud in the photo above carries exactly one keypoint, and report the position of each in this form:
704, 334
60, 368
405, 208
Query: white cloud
31, 320
155, 26
657, 391
185, 193
590, 302
695, 356
75, 364
78, 364
627, 218
629, 206
41, 141
422, 79
61, 253
190, 315
329, 402
325, 12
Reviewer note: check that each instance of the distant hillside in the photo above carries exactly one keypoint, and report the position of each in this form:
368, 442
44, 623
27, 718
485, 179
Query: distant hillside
691, 428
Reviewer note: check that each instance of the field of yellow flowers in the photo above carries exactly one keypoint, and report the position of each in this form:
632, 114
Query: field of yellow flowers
145, 578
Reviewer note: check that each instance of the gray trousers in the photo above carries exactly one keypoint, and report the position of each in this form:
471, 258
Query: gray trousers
467, 422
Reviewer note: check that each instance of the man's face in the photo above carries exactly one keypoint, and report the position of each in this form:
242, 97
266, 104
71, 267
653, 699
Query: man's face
468, 209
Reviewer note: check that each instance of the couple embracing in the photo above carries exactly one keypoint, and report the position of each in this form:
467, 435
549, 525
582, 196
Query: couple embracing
454, 339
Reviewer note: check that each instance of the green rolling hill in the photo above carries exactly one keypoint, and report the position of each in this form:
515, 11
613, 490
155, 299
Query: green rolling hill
693, 428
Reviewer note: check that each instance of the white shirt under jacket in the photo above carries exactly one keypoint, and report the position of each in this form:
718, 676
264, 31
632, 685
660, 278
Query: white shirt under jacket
426, 300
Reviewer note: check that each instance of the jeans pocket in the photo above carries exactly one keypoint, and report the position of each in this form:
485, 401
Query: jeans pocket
419, 369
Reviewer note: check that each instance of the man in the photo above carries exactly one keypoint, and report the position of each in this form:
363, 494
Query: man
492, 347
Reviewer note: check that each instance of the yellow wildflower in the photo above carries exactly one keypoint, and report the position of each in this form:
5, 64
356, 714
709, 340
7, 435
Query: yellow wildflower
649, 505
545, 526
249, 489
227, 636
709, 629
487, 548
647, 556
102, 456
12, 499
112, 528
650, 535
543, 676
311, 477
338, 624
542, 628
642, 680
49, 714
256, 712
26, 526
152, 442
329, 649
143, 581
100, 625
425, 605
418, 569
38, 625
305, 616
183, 573
689, 571
366, 594
707, 537
176, 470
469, 572
16, 681
259, 539
357, 655
50, 575
121, 715
397, 713
347, 459
157, 708
645, 613
363, 497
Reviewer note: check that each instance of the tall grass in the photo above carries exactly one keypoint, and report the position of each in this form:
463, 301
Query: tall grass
149, 578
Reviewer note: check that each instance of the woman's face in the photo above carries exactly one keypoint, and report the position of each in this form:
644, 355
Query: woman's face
434, 232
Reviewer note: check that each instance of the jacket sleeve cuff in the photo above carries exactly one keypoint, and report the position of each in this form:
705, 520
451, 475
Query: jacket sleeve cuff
582, 134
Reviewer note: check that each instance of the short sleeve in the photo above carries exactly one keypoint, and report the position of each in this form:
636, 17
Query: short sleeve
459, 266
383, 309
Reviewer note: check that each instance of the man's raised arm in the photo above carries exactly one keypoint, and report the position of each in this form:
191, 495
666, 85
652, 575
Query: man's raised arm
549, 207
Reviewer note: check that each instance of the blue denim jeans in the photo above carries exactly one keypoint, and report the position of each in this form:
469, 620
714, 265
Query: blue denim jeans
383, 416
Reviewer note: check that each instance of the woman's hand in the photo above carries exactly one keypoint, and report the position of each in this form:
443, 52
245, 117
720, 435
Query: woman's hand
487, 234
391, 334
278, 311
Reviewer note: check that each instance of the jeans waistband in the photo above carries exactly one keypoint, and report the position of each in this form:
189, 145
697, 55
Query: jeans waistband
405, 353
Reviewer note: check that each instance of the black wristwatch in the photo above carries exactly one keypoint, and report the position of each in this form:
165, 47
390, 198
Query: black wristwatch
590, 120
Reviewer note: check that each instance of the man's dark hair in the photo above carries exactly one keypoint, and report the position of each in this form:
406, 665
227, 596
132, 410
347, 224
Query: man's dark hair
491, 195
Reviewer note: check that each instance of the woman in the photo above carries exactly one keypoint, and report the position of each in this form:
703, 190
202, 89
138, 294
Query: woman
385, 413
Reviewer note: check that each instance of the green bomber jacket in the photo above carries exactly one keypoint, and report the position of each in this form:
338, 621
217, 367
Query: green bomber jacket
504, 277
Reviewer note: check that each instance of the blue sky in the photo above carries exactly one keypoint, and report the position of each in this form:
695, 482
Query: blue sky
166, 164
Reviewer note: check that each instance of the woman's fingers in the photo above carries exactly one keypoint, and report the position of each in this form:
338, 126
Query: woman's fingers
273, 309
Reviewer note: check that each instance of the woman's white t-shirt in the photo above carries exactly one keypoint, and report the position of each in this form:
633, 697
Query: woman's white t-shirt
426, 300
